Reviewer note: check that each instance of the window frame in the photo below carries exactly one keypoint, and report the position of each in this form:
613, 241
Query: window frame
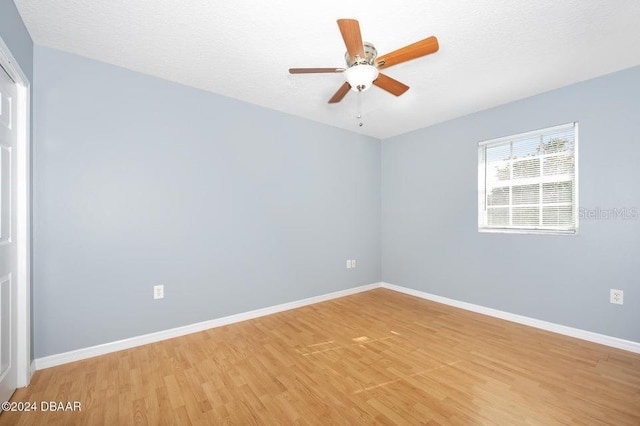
482, 194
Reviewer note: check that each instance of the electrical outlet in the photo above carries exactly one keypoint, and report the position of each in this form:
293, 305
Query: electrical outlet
158, 291
616, 296
353, 263
349, 264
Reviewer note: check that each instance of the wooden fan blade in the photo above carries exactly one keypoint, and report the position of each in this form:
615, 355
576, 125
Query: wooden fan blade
390, 85
314, 70
412, 51
341, 93
350, 29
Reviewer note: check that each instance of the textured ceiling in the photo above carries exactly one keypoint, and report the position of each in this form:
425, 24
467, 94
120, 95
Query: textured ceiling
491, 51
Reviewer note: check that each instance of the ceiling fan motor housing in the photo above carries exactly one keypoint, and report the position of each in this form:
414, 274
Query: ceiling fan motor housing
370, 54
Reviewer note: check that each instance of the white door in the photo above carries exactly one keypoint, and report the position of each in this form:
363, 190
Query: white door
8, 263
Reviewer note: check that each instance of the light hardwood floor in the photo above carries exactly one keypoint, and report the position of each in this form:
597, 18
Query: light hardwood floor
375, 357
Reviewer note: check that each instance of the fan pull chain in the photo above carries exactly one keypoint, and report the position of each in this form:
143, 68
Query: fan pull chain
359, 112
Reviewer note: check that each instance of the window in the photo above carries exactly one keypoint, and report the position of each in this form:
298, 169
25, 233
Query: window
528, 183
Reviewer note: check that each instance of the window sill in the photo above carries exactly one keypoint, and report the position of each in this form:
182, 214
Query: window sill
527, 231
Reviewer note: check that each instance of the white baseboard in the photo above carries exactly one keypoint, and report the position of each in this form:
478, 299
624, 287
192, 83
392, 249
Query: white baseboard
602, 339
80, 354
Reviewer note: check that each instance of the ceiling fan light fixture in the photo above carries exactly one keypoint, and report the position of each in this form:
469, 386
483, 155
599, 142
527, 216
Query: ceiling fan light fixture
361, 76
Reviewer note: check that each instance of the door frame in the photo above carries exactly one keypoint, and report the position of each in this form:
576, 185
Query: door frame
24, 368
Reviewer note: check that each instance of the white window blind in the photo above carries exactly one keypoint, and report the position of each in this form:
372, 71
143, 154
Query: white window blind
529, 182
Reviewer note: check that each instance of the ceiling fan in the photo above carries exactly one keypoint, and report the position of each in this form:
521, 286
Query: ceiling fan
363, 63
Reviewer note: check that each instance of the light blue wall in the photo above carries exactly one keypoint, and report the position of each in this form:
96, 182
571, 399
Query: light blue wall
139, 181
15, 35
430, 240
233, 207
